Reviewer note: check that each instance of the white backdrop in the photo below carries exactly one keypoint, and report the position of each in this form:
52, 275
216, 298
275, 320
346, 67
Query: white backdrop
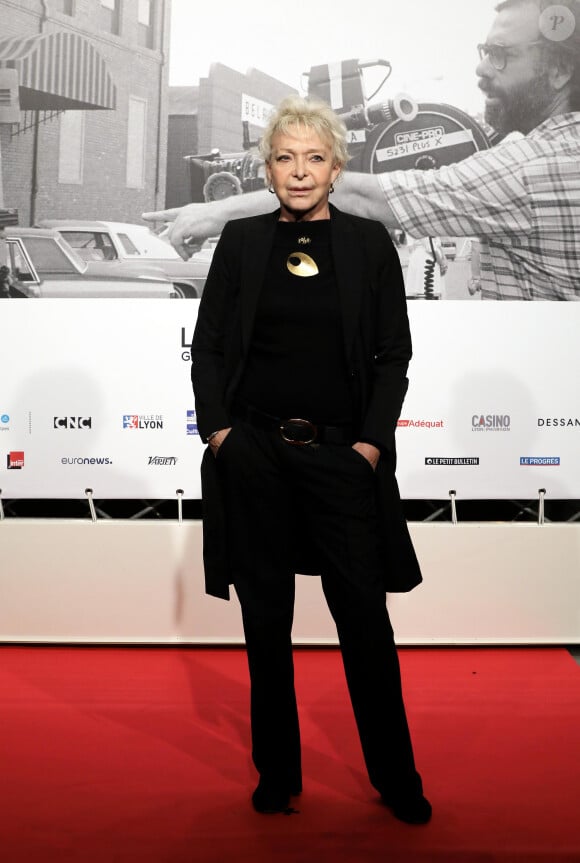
96, 394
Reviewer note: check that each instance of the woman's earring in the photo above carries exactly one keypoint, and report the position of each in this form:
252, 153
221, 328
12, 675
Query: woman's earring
331, 190
271, 190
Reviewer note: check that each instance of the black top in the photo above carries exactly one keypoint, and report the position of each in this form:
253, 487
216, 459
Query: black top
296, 365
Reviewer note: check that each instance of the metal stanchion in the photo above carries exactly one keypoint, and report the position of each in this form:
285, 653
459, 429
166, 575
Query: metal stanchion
179, 493
452, 494
89, 494
542, 494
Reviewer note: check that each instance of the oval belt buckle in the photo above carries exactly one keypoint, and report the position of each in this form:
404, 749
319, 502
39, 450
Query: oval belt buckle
301, 427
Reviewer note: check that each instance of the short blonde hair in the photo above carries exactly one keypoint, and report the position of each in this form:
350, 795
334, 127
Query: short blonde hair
310, 114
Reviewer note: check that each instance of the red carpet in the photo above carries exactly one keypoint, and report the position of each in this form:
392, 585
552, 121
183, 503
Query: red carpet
140, 754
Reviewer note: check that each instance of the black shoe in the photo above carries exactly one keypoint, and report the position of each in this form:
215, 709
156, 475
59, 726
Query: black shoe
268, 798
411, 810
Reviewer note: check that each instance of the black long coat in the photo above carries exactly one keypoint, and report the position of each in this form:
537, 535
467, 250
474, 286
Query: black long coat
377, 344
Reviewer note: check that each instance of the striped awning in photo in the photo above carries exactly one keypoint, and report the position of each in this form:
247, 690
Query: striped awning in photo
58, 71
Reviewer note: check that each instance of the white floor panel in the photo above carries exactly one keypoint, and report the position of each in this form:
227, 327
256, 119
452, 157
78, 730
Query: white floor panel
141, 582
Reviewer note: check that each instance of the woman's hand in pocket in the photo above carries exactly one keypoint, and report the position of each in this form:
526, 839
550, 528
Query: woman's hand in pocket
217, 440
368, 451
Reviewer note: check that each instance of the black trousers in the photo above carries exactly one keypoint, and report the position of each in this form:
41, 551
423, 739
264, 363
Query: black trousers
270, 487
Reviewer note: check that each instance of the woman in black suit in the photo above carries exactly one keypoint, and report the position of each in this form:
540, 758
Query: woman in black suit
299, 362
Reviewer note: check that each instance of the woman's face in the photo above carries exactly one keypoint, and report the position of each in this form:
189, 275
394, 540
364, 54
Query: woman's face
301, 170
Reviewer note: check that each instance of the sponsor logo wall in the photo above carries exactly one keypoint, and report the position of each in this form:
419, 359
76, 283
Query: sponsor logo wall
492, 409
110, 408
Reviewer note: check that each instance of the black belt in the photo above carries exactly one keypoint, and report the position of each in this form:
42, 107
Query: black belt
295, 431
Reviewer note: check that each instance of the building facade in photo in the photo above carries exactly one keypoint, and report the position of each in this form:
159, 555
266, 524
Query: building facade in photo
83, 108
182, 141
208, 121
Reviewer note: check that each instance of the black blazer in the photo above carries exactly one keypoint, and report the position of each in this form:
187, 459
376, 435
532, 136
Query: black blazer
377, 345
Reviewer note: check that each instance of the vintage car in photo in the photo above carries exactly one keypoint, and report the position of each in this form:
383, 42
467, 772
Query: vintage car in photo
42, 264
136, 245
